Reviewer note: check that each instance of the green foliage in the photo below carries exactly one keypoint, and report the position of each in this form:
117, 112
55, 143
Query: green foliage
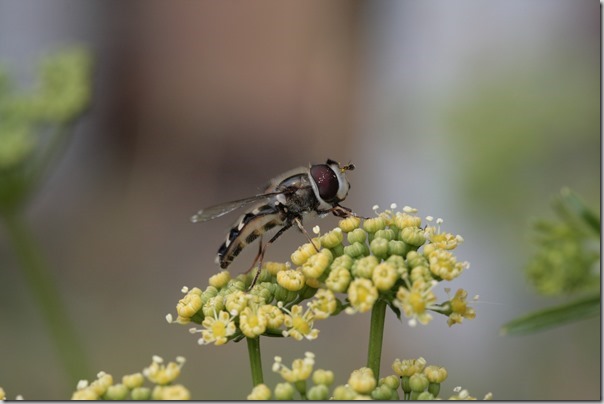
565, 263
34, 124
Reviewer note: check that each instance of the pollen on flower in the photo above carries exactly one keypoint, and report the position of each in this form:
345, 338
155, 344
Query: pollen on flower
408, 367
317, 264
316, 230
459, 308
323, 304
362, 381
252, 322
301, 368
299, 324
236, 302
274, 316
260, 392
217, 328
409, 209
292, 280
362, 294
416, 300
161, 374
444, 265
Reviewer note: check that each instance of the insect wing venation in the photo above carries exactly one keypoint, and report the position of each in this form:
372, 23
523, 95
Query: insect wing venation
222, 209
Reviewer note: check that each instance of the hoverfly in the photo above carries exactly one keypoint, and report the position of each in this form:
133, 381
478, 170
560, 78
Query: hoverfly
305, 191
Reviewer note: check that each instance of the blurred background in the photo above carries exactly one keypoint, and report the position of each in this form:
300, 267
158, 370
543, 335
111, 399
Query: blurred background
476, 112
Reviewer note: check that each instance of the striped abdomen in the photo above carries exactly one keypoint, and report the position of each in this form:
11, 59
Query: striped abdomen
247, 229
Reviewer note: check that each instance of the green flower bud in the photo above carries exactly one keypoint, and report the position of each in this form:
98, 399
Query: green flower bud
344, 261
284, 391
260, 392
116, 392
357, 236
356, 250
318, 392
363, 267
220, 279
338, 279
141, 393
435, 374
333, 238
425, 395
391, 381
134, 380
374, 224
321, 376
317, 264
349, 224
397, 247
379, 247
384, 276
362, 380
337, 250
381, 393
413, 236
344, 393
398, 262
415, 259
387, 234
418, 382
434, 389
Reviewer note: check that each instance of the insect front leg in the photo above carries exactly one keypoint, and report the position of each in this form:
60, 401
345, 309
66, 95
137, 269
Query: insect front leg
341, 211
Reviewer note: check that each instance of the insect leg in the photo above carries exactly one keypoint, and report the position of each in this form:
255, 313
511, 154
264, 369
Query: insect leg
263, 250
341, 211
303, 230
257, 255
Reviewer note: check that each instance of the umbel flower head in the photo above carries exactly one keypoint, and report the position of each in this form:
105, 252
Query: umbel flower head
392, 257
415, 379
131, 387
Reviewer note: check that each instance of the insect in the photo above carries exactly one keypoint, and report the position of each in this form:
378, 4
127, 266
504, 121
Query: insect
305, 191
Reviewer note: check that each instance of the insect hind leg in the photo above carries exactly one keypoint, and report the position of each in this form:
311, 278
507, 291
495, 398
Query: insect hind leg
257, 255
262, 251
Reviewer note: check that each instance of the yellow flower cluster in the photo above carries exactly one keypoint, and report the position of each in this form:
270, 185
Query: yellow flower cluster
131, 386
414, 377
391, 257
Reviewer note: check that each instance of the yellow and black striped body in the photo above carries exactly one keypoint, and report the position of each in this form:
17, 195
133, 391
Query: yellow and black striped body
247, 229
296, 200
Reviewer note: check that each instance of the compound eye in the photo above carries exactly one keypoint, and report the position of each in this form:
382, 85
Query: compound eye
327, 181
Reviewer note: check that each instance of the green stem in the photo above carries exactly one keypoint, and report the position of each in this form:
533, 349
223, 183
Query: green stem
253, 348
376, 336
47, 298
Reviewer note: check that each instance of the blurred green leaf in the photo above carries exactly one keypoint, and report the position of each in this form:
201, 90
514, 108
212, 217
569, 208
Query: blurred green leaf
568, 248
553, 317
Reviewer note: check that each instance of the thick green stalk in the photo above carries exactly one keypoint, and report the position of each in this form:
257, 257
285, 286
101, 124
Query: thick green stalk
47, 297
376, 336
253, 348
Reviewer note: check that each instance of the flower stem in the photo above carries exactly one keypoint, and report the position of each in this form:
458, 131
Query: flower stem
376, 336
47, 297
253, 348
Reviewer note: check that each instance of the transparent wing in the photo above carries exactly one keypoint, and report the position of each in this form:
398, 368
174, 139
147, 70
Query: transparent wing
222, 209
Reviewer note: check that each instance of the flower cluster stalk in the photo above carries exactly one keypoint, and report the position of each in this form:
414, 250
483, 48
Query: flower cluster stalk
253, 349
376, 336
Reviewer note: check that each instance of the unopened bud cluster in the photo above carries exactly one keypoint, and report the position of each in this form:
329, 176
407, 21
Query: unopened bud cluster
391, 256
414, 378
132, 386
